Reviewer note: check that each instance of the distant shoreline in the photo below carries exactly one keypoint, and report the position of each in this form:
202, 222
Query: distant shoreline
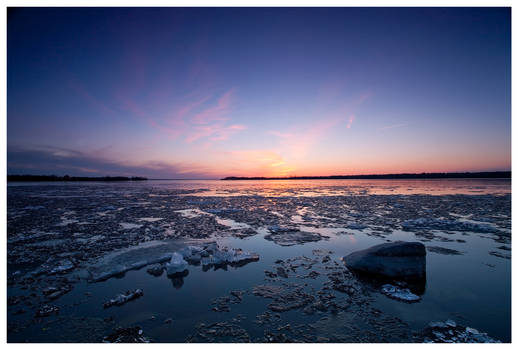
66, 178
465, 175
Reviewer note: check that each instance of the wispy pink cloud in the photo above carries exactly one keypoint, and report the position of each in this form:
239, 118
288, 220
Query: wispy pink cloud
216, 112
194, 120
216, 132
350, 121
183, 110
225, 132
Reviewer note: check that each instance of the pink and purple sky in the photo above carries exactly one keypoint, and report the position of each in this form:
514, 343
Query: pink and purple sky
208, 93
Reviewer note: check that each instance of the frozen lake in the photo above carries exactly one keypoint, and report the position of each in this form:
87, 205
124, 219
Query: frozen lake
61, 235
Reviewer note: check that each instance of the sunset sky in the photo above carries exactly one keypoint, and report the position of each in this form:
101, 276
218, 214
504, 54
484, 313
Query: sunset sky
207, 93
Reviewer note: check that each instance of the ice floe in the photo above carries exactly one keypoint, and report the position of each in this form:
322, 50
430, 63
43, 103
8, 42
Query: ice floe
47, 310
150, 219
450, 332
175, 254
286, 236
448, 225
230, 256
403, 294
123, 298
129, 226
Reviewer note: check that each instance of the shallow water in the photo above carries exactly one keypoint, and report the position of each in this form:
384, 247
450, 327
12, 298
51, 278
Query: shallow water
88, 221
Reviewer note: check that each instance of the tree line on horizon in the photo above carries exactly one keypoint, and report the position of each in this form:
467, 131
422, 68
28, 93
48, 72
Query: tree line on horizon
72, 178
464, 175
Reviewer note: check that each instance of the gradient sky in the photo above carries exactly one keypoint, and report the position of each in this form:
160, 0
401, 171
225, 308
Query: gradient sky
206, 93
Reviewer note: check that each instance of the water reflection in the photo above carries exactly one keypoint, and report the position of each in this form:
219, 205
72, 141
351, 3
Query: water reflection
177, 279
375, 282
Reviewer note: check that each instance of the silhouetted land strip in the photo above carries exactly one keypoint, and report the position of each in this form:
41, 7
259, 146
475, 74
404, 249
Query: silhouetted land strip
32, 178
479, 175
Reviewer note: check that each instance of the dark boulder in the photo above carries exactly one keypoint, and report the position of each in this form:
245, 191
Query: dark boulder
405, 260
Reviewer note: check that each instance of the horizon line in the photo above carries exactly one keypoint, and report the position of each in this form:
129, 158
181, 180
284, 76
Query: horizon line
464, 174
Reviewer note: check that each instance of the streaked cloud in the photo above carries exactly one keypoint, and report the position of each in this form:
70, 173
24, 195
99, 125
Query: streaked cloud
59, 161
392, 126
217, 112
194, 120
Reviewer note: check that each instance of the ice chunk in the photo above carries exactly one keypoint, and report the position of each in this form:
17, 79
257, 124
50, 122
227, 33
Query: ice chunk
222, 256
47, 310
403, 294
291, 236
122, 268
61, 267
447, 225
450, 332
211, 247
131, 258
242, 256
129, 226
176, 265
227, 256
124, 298
190, 251
150, 219
451, 323
472, 331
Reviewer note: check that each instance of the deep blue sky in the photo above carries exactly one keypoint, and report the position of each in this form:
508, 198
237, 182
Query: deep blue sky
208, 92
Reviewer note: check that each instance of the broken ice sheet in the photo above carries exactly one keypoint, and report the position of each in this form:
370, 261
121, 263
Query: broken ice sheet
450, 332
93, 247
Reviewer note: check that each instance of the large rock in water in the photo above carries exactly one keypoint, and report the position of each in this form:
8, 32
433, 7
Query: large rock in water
396, 260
